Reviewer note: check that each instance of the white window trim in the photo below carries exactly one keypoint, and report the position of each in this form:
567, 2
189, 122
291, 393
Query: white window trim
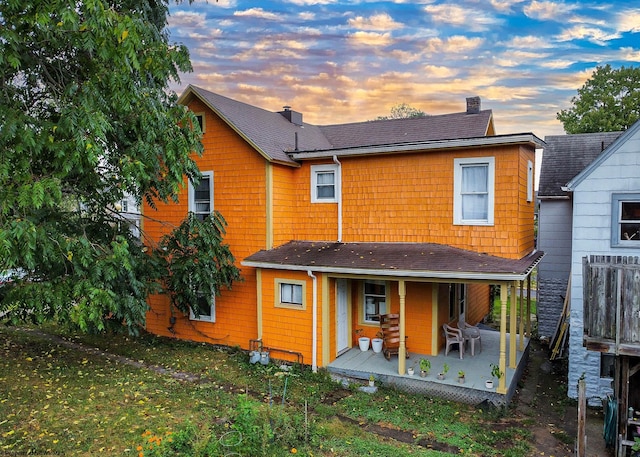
278, 300
363, 311
616, 203
457, 190
192, 194
315, 169
530, 183
204, 125
211, 317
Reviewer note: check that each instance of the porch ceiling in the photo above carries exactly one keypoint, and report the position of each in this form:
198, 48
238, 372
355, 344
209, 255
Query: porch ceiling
419, 260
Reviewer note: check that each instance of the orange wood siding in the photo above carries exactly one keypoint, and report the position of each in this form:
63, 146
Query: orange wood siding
419, 317
409, 198
477, 303
392, 198
240, 195
285, 328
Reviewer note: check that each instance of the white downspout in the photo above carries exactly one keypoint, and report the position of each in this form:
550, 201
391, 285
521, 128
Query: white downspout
337, 162
314, 330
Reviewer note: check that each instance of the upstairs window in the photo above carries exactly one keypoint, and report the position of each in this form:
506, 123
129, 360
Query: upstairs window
473, 191
200, 119
625, 222
325, 183
201, 196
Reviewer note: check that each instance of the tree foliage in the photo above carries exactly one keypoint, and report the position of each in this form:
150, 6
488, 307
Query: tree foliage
195, 254
609, 101
402, 111
86, 117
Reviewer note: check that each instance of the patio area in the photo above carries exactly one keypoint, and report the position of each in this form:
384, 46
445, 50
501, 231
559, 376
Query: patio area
357, 365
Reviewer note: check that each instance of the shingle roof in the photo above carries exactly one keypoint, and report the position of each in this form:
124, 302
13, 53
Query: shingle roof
268, 131
426, 260
391, 131
274, 136
565, 156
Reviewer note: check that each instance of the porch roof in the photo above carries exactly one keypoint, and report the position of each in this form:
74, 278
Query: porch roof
418, 260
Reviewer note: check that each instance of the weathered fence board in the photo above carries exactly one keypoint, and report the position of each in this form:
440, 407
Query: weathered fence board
612, 298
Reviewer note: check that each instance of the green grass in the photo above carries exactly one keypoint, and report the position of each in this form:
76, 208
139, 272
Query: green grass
56, 400
497, 304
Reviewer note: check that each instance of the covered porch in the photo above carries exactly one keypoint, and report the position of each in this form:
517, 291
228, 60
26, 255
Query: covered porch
415, 281
359, 365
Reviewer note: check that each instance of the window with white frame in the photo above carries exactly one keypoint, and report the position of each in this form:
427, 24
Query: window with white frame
473, 188
374, 300
290, 293
201, 196
530, 183
325, 183
200, 118
202, 310
625, 220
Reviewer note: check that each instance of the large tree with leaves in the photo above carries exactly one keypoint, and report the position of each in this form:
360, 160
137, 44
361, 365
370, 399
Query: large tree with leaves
609, 101
85, 118
402, 111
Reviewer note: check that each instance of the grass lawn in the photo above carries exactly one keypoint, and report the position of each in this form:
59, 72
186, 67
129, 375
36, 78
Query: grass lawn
60, 400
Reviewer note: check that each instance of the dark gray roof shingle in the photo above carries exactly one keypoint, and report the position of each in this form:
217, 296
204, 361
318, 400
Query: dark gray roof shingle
427, 259
565, 156
274, 136
392, 131
269, 131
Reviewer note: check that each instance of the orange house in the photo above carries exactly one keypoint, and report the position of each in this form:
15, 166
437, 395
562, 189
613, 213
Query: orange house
336, 225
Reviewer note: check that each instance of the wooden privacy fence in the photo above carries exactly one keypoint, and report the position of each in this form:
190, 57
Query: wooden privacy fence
612, 303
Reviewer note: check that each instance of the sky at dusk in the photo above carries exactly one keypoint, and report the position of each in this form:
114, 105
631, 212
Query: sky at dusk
351, 61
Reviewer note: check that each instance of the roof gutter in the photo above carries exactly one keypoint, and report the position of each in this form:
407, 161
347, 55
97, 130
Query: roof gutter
339, 192
485, 141
423, 274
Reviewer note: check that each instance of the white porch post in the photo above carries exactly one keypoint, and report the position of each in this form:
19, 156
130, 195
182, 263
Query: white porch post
402, 350
502, 362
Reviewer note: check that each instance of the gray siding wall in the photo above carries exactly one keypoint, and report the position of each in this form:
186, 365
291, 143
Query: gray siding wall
554, 239
592, 235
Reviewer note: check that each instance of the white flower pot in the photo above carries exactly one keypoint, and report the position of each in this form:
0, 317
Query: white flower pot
376, 344
363, 342
488, 384
410, 371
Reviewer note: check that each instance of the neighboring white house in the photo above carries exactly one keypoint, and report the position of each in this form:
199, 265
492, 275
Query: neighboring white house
564, 157
606, 221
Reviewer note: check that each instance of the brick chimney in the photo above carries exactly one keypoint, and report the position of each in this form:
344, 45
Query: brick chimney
473, 105
292, 116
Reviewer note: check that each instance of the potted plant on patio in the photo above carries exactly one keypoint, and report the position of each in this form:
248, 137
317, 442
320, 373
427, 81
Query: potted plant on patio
443, 373
376, 343
461, 377
425, 366
496, 373
411, 370
363, 341
372, 380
